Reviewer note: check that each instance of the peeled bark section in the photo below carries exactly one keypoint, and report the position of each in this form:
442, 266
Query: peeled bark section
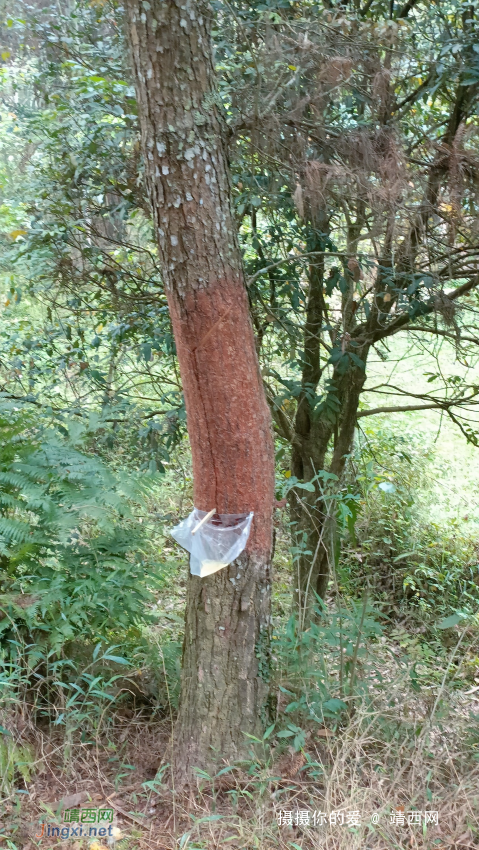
225, 657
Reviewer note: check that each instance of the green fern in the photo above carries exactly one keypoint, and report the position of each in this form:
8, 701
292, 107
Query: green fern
66, 566
14, 758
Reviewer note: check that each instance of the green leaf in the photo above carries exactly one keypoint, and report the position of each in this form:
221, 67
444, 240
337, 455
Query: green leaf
451, 621
224, 770
118, 659
334, 705
357, 360
387, 487
404, 555
305, 485
97, 376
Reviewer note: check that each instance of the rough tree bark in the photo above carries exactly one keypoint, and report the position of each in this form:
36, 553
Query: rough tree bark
225, 653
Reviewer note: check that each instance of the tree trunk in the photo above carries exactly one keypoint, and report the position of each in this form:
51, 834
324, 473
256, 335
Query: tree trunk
315, 432
311, 513
308, 453
225, 654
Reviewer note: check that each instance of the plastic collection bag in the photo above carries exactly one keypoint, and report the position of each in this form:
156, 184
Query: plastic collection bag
216, 543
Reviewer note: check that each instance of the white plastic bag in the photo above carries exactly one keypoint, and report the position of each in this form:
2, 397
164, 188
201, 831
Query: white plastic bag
216, 543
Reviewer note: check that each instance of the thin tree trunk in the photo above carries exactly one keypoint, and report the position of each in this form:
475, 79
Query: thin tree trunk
225, 654
307, 458
314, 434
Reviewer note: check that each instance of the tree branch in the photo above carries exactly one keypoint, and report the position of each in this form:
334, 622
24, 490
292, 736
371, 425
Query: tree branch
282, 422
293, 259
404, 12
366, 8
413, 96
402, 321
440, 332
401, 408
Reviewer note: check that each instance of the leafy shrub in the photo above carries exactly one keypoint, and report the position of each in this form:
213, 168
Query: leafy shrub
72, 690
14, 758
322, 671
67, 568
410, 551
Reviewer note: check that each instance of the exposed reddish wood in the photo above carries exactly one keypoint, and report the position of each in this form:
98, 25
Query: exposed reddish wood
228, 418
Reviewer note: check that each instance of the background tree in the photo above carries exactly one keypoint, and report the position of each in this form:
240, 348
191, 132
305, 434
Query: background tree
357, 189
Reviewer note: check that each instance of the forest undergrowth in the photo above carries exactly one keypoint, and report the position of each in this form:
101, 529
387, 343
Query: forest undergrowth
372, 733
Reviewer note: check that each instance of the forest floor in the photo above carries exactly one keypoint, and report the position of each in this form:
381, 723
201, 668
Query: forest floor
371, 787
399, 770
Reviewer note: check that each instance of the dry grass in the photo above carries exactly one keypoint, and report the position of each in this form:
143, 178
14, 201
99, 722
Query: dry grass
398, 752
